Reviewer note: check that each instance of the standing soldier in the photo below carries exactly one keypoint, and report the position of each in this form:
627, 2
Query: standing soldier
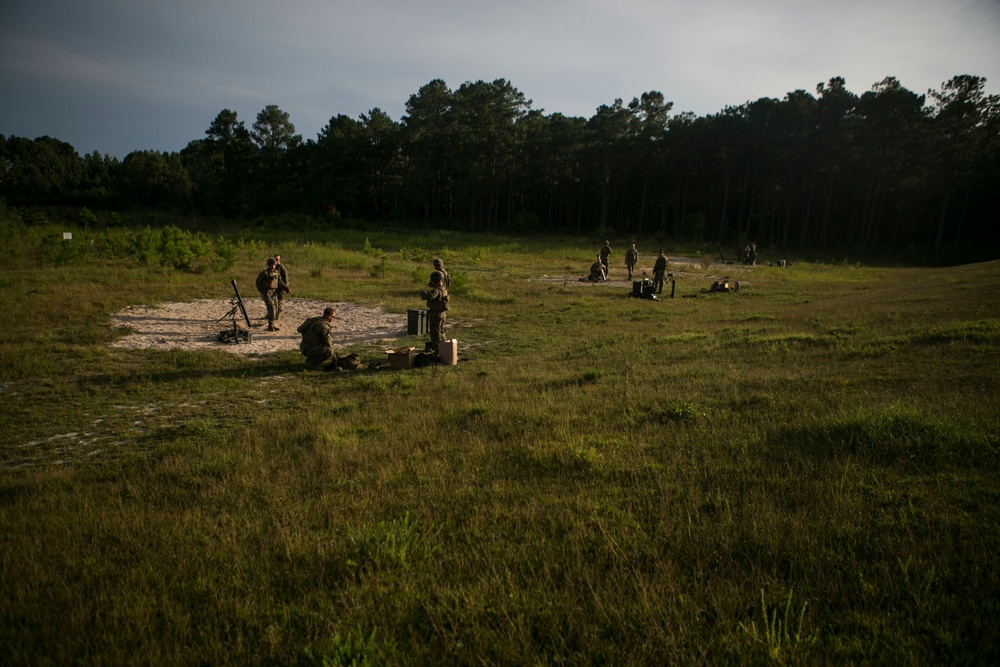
631, 258
283, 276
659, 268
437, 306
606, 256
446, 277
268, 284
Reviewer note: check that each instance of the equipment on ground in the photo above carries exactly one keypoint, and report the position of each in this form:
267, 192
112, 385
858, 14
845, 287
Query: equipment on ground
236, 301
237, 334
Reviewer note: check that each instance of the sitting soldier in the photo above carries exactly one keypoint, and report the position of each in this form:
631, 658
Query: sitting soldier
317, 341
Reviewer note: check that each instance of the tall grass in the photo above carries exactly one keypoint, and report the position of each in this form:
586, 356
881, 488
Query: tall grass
801, 472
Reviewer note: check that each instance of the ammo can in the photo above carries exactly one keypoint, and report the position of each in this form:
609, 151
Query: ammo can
416, 322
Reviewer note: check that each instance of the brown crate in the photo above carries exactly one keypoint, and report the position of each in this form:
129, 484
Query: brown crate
401, 358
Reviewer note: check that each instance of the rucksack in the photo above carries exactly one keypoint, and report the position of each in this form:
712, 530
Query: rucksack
350, 361
308, 323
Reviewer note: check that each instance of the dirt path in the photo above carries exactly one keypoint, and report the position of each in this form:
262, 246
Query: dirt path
195, 325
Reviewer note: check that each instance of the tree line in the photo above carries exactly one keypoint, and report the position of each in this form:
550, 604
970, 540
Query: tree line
885, 170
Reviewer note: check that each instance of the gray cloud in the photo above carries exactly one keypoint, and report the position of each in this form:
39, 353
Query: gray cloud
119, 75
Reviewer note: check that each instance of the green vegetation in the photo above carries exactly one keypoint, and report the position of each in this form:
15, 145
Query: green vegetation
801, 472
889, 170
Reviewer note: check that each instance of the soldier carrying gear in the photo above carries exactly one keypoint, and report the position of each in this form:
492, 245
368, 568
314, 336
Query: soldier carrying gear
268, 284
445, 276
438, 302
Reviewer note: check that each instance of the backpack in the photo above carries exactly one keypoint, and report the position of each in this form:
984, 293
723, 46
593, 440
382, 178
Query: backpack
307, 324
350, 361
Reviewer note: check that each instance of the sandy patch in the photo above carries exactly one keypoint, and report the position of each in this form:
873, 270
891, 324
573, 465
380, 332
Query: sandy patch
195, 325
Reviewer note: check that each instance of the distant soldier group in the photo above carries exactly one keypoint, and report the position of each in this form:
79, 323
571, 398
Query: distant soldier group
748, 253
599, 269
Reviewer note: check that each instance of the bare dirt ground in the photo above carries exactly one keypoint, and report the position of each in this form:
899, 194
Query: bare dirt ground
195, 325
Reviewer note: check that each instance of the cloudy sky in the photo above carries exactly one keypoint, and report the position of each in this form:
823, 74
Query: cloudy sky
121, 75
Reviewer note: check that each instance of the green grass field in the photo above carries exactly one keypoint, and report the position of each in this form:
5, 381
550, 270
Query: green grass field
804, 472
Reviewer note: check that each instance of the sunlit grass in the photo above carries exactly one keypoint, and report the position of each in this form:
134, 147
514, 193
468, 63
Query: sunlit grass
801, 472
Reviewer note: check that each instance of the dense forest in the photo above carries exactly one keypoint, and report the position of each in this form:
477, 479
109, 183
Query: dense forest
886, 170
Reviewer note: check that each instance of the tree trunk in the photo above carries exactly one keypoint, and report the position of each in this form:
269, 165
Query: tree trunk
942, 220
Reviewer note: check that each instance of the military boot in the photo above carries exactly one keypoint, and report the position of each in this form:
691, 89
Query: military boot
271, 327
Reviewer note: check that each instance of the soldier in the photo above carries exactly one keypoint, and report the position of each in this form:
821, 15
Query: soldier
606, 256
317, 341
268, 284
631, 258
439, 266
438, 303
283, 275
659, 268
597, 272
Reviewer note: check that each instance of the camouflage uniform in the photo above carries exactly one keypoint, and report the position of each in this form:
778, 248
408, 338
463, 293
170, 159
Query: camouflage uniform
437, 306
597, 272
659, 268
280, 295
317, 342
270, 285
446, 277
267, 285
606, 256
631, 257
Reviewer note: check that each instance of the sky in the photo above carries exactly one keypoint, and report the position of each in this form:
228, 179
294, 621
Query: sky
116, 76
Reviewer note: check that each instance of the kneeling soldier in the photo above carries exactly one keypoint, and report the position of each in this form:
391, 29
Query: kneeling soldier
317, 341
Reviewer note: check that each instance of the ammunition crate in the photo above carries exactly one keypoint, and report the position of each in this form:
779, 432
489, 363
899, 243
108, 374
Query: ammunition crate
402, 358
416, 322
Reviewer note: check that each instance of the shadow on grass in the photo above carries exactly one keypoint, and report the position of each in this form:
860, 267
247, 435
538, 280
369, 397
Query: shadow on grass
252, 370
892, 437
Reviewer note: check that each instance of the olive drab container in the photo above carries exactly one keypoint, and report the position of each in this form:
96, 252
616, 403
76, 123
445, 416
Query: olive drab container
416, 322
448, 351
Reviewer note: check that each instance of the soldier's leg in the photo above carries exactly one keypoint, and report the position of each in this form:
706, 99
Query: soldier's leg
270, 301
434, 327
317, 355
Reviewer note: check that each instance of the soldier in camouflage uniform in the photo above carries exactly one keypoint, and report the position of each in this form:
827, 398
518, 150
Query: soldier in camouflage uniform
597, 273
659, 269
606, 256
437, 306
280, 295
439, 266
268, 284
317, 341
631, 258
